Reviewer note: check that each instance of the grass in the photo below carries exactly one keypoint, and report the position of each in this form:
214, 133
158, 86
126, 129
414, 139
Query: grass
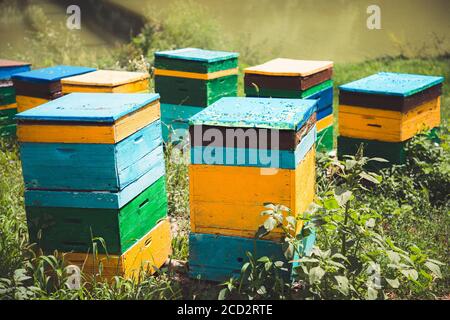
413, 199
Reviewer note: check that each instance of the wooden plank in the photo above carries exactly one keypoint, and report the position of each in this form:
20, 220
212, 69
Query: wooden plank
51, 74
149, 253
259, 138
195, 92
229, 200
292, 94
325, 122
324, 112
285, 114
4, 109
72, 229
290, 67
287, 83
325, 97
141, 86
389, 83
95, 199
387, 125
11, 67
44, 90
90, 107
394, 152
54, 131
218, 258
65, 166
253, 157
196, 60
387, 102
25, 103
195, 75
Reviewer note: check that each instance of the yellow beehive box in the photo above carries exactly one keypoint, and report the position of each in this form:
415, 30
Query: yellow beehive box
79, 118
145, 256
388, 125
228, 200
25, 103
107, 81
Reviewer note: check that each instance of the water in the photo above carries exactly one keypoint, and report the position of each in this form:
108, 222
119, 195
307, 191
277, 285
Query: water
325, 29
308, 29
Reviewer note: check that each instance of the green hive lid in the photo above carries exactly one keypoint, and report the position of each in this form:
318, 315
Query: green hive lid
395, 84
89, 107
194, 54
283, 114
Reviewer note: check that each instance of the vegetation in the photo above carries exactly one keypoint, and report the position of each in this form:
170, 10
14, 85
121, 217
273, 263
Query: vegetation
380, 235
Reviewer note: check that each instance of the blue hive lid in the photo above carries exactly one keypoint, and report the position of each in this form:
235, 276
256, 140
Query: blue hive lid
283, 114
10, 67
395, 84
194, 54
89, 107
51, 74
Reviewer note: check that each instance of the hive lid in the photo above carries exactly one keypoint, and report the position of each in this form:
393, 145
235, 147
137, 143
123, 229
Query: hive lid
4, 63
283, 114
89, 107
105, 78
194, 54
51, 74
395, 84
289, 67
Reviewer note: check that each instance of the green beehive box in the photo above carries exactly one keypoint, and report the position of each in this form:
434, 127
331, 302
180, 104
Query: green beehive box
195, 77
73, 228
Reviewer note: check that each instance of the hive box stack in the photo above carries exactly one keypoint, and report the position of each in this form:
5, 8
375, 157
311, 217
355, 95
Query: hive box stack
189, 80
93, 166
107, 81
8, 105
263, 151
39, 86
385, 110
300, 79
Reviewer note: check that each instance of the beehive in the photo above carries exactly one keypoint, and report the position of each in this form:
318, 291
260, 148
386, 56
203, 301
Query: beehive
191, 79
218, 258
385, 110
95, 170
246, 152
297, 79
8, 105
39, 86
147, 255
107, 81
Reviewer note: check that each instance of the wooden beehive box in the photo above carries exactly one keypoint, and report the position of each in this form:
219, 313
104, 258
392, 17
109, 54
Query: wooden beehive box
288, 78
107, 81
41, 85
60, 223
8, 105
145, 256
389, 107
218, 258
91, 143
195, 77
227, 198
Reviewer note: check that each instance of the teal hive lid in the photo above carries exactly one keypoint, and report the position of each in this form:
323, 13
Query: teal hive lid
51, 74
89, 107
194, 54
394, 84
283, 114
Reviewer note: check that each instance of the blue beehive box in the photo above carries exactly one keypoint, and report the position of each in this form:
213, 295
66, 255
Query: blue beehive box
91, 166
288, 115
